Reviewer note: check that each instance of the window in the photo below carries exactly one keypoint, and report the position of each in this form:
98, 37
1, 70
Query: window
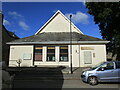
108, 66
63, 53
117, 65
87, 57
51, 53
38, 53
27, 56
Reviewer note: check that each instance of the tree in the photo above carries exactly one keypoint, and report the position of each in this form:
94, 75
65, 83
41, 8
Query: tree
107, 16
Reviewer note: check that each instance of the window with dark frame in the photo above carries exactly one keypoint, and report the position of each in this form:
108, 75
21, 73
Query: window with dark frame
108, 66
38, 53
117, 65
51, 53
63, 53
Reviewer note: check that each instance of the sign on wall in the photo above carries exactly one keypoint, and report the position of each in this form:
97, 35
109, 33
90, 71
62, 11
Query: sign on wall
27, 56
87, 48
87, 57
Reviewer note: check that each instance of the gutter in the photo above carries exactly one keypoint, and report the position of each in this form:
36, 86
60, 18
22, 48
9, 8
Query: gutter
61, 42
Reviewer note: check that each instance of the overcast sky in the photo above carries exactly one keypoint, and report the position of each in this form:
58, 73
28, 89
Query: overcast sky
25, 18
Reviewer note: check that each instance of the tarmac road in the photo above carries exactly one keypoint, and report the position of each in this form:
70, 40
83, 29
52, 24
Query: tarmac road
37, 78
80, 84
60, 84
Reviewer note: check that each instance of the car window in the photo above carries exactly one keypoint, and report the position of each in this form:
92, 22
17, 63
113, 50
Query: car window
108, 66
95, 66
118, 65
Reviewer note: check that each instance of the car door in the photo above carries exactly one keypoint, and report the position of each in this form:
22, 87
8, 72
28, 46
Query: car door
117, 71
107, 72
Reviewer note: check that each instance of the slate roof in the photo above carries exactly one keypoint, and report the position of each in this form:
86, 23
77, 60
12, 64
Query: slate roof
61, 36
9, 33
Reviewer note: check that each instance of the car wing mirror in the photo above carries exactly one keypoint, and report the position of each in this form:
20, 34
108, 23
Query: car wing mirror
102, 69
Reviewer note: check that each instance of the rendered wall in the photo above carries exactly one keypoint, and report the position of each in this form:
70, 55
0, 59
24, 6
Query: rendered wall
75, 56
98, 54
17, 52
58, 24
23, 52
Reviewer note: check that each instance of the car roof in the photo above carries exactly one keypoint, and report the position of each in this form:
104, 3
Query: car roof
112, 61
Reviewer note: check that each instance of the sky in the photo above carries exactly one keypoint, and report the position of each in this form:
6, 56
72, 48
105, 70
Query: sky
26, 18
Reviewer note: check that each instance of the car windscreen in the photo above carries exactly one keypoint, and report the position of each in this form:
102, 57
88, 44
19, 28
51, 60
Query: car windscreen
99, 64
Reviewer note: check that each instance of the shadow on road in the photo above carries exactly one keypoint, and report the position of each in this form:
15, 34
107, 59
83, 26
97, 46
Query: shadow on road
39, 77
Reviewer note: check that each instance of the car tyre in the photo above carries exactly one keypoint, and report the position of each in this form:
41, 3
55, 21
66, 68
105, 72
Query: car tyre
92, 80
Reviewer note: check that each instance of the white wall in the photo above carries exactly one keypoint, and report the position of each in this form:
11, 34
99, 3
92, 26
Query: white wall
78, 55
17, 52
59, 24
75, 56
100, 54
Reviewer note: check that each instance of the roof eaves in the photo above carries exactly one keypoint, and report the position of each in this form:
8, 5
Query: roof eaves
62, 42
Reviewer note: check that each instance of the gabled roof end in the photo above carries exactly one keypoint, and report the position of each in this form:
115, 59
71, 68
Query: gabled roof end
58, 11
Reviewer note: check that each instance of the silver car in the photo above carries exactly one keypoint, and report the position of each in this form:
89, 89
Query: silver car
103, 72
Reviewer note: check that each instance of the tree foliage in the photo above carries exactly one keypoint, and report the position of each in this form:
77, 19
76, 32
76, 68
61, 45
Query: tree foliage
107, 16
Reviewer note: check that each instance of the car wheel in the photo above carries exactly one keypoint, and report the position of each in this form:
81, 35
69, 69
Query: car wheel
92, 81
